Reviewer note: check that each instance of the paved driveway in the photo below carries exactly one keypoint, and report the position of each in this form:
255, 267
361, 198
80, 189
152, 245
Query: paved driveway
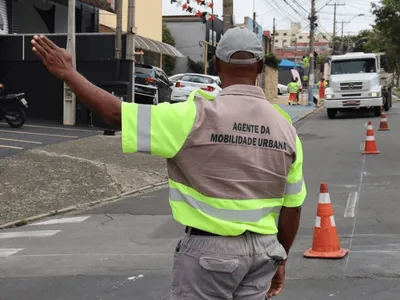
13, 141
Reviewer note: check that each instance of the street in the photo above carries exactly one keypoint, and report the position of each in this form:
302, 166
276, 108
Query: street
13, 141
123, 250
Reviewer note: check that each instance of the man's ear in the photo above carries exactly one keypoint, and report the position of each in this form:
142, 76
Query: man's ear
216, 65
260, 67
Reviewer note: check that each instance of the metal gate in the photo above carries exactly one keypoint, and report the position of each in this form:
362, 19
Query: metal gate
3, 17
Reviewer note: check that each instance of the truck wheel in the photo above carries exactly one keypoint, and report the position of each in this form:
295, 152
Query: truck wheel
377, 111
331, 113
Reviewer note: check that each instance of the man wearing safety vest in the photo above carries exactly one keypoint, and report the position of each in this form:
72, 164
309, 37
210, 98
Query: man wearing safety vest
235, 169
293, 88
322, 85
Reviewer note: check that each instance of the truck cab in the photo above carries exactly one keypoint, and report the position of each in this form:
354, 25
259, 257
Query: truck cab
357, 82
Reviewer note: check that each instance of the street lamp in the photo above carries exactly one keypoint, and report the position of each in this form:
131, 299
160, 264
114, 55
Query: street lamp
344, 24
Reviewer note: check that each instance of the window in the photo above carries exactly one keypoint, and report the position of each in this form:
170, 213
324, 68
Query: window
143, 70
285, 34
276, 33
354, 66
276, 41
301, 37
284, 41
308, 37
324, 37
197, 79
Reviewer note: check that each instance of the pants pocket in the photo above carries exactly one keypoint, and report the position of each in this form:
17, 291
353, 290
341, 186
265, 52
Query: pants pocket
219, 275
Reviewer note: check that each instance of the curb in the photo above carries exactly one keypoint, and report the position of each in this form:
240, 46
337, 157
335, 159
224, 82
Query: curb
52, 213
306, 114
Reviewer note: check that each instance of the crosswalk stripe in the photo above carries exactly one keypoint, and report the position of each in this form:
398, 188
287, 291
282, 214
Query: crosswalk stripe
8, 252
22, 234
70, 220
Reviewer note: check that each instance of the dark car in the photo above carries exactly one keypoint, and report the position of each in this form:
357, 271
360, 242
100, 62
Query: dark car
152, 85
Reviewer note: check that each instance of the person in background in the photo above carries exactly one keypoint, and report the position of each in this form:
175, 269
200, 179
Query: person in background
322, 85
299, 91
293, 88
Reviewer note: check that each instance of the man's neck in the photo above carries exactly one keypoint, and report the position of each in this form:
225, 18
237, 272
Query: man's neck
238, 82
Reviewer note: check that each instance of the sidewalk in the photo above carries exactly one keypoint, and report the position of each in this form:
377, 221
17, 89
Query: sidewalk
296, 112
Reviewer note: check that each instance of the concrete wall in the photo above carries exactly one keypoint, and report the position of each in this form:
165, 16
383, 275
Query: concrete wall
187, 38
270, 83
148, 18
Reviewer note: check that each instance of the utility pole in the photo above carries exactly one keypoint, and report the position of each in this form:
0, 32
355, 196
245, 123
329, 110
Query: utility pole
335, 5
130, 46
313, 19
205, 46
254, 17
273, 36
118, 38
228, 14
69, 111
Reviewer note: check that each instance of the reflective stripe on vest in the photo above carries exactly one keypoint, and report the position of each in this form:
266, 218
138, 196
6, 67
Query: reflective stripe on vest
144, 128
248, 215
294, 188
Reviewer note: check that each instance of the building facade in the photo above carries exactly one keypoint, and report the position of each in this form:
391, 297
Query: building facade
190, 32
148, 22
289, 37
249, 24
50, 16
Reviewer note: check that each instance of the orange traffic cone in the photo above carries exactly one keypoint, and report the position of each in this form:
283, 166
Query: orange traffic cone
326, 240
383, 125
370, 143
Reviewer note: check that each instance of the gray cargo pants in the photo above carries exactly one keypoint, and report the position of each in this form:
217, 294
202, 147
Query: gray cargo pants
219, 268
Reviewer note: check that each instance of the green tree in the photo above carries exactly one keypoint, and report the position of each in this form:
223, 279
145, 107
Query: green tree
169, 62
271, 60
386, 32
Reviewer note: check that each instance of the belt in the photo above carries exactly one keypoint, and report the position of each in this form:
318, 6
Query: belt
194, 231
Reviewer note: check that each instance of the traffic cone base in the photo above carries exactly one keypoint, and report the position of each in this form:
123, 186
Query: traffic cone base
310, 253
326, 242
371, 152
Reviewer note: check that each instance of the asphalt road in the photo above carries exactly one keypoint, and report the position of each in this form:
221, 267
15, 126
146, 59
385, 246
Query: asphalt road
31, 135
124, 250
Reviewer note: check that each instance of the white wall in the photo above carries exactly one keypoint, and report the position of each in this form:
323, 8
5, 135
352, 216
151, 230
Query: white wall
187, 37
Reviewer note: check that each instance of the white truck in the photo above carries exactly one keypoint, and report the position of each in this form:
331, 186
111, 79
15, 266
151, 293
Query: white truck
358, 81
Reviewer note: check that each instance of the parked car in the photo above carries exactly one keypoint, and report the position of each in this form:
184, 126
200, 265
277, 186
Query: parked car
152, 85
175, 78
282, 89
190, 82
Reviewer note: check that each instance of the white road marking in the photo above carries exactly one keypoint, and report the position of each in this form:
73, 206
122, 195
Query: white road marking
135, 277
11, 147
4, 252
42, 134
57, 128
71, 220
362, 174
23, 234
21, 141
351, 205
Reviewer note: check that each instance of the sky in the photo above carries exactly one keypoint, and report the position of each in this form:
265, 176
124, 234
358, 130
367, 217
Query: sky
287, 11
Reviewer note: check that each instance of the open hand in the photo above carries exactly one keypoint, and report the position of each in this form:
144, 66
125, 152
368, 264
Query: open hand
57, 60
277, 282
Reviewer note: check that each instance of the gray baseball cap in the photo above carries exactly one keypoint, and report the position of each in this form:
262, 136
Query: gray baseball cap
239, 39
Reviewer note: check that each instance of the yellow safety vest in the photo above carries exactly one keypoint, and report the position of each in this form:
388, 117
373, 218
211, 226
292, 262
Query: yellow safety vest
163, 129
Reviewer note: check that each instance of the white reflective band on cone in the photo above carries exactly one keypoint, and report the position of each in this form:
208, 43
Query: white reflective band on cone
333, 223
383, 120
324, 198
369, 127
318, 222
370, 138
